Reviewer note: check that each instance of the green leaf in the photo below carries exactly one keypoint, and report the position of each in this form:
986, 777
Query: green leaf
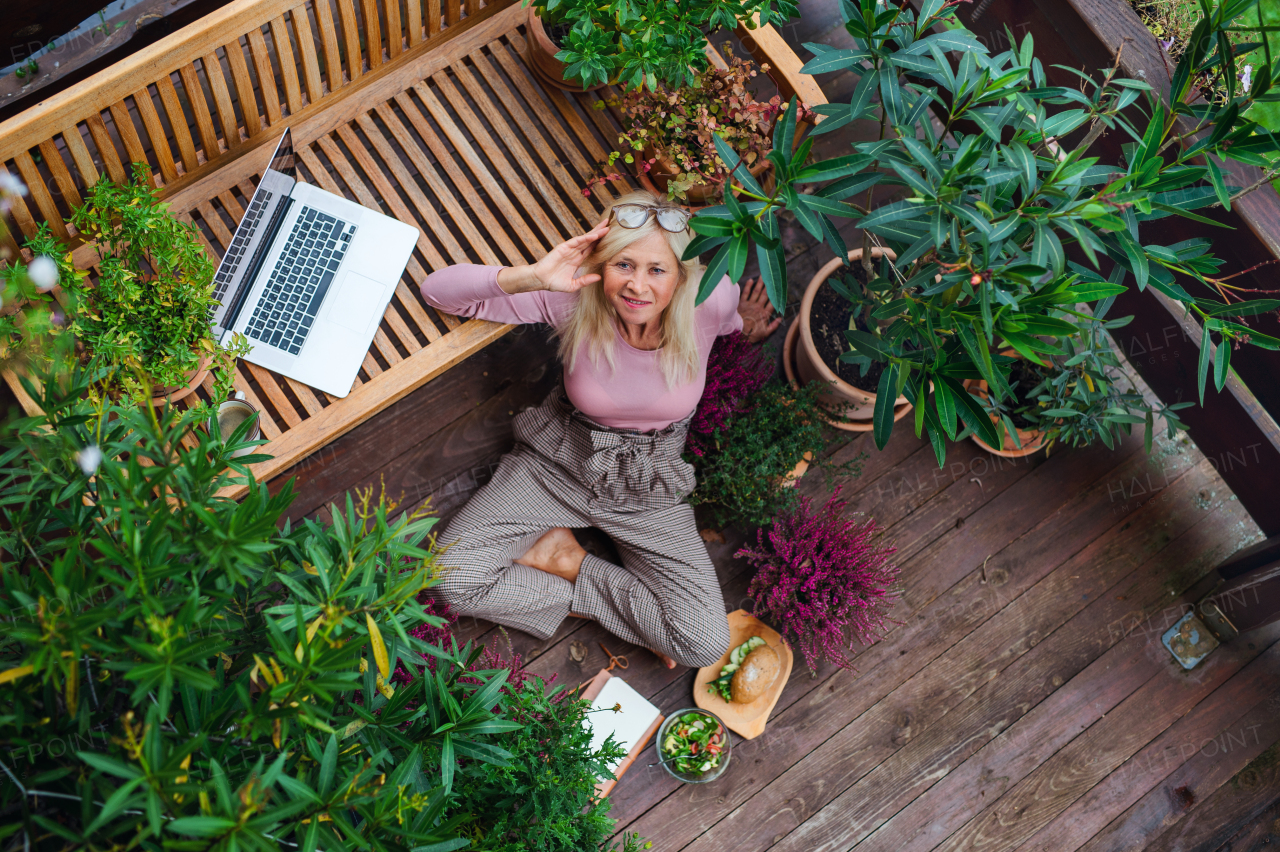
739, 170
204, 826
971, 411
1202, 370
784, 132
946, 406
833, 60
773, 265
886, 395
1137, 257
1239, 309
1219, 185
714, 272
737, 256
1221, 364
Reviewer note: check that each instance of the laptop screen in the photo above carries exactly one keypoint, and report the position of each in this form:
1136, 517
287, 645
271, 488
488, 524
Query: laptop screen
285, 161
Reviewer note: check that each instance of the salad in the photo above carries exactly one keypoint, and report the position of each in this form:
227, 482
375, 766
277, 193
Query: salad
694, 743
721, 685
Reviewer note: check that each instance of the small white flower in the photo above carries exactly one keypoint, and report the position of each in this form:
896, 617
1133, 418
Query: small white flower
10, 185
89, 458
43, 273
1246, 78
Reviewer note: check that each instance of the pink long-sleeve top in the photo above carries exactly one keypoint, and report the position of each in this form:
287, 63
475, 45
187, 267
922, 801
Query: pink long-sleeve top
635, 395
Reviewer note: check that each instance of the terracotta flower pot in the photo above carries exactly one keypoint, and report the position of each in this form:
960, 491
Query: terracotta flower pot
658, 178
853, 403
1032, 440
542, 57
172, 393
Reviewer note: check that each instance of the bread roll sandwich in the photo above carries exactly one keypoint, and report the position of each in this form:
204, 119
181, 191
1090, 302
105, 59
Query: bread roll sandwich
752, 668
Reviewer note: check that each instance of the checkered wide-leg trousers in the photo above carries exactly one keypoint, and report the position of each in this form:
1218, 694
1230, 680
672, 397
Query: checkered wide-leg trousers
567, 471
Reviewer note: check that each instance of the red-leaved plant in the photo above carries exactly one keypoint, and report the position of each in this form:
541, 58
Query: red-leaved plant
822, 580
736, 369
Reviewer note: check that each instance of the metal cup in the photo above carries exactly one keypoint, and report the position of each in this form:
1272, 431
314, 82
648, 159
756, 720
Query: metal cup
235, 405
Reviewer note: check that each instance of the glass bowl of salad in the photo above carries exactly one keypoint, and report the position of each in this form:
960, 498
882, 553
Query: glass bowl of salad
694, 745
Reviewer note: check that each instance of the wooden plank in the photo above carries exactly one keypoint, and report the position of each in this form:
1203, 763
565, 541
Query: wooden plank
452, 12
215, 223
21, 215
58, 168
413, 20
1097, 752
386, 348
548, 124
329, 44
80, 156
457, 211
307, 48
472, 7
222, 99
244, 88
1220, 721
177, 122
514, 181
536, 171
434, 20
395, 32
1213, 823
305, 394
372, 33
1062, 629
288, 70
1158, 813
39, 193
351, 38
200, 109
106, 148
266, 73
233, 208
155, 134
765, 44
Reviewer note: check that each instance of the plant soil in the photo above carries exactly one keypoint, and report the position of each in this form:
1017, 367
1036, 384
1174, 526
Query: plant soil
558, 33
828, 321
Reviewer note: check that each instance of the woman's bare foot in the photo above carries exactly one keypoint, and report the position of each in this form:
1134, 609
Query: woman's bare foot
666, 661
557, 552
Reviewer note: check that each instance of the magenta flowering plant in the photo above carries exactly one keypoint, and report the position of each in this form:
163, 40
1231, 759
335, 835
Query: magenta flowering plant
736, 370
823, 580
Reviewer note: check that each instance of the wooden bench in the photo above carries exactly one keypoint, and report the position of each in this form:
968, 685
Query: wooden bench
428, 114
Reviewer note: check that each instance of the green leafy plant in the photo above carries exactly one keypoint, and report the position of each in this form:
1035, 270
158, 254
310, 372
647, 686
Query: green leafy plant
544, 799
994, 200
674, 129
148, 312
183, 671
650, 42
742, 477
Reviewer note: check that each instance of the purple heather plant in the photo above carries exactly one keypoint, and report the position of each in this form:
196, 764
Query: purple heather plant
822, 580
736, 369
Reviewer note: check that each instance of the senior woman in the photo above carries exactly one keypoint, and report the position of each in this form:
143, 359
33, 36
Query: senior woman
604, 449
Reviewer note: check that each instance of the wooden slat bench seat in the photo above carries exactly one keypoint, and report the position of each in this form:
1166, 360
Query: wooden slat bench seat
428, 115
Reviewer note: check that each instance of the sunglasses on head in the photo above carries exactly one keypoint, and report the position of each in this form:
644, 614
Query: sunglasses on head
673, 219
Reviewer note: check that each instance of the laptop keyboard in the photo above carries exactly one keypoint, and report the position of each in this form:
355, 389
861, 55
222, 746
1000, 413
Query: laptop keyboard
235, 252
300, 280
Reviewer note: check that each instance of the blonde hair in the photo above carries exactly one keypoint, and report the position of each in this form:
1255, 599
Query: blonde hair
592, 320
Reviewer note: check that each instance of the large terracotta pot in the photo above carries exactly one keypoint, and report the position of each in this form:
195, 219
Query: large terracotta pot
171, 394
853, 403
1031, 440
542, 57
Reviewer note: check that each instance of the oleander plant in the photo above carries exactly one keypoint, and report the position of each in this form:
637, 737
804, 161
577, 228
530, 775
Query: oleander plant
993, 197
184, 671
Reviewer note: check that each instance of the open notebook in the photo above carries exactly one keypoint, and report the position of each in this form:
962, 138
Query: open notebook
632, 726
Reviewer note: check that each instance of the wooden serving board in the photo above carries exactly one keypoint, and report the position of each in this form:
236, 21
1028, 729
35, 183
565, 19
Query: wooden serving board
746, 720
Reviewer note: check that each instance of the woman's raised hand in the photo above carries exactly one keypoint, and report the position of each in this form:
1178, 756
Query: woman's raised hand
558, 271
758, 321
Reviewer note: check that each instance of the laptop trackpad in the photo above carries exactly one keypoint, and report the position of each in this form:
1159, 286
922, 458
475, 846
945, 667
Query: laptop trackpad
355, 304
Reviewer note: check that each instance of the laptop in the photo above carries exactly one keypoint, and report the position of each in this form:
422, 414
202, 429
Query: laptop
307, 278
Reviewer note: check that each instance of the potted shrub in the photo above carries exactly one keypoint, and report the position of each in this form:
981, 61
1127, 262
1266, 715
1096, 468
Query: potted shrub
1018, 420
146, 318
822, 580
669, 134
745, 474
992, 207
582, 45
